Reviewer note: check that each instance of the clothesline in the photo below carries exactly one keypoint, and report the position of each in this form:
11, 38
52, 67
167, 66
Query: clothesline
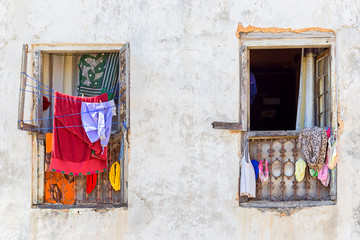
27, 85
52, 96
38, 119
37, 81
60, 97
34, 129
115, 88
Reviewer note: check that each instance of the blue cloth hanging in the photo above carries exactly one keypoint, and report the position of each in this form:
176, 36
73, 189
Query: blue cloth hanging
256, 168
253, 88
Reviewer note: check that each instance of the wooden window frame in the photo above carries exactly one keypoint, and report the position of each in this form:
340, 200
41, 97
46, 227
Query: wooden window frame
32, 65
261, 40
323, 112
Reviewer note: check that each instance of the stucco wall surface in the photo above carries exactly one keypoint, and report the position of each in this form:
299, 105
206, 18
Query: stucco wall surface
184, 75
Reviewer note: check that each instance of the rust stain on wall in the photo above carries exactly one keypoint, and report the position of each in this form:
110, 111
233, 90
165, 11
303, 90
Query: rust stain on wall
241, 29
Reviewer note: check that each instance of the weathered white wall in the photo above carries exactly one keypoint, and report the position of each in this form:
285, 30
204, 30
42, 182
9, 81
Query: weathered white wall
184, 75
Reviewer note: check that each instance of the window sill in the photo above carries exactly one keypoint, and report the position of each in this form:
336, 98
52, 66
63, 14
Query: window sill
90, 206
272, 134
292, 204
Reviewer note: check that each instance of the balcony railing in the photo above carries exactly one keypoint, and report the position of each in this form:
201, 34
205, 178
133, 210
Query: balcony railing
281, 153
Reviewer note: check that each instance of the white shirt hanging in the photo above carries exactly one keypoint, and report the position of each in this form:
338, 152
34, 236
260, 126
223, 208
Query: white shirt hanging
247, 180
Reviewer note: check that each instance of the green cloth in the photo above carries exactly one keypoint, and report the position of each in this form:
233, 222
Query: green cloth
313, 173
111, 75
98, 74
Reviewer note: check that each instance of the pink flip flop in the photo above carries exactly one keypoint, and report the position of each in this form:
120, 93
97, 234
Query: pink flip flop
263, 177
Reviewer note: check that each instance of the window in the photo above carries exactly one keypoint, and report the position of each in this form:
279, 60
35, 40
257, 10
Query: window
56, 67
295, 80
276, 74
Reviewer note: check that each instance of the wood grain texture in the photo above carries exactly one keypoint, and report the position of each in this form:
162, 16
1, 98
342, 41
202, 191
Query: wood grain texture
227, 126
22, 85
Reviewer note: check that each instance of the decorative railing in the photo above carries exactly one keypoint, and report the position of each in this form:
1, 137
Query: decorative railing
281, 153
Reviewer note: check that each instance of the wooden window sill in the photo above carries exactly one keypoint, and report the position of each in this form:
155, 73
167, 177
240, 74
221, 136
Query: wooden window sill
286, 204
92, 206
272, 134
231, 126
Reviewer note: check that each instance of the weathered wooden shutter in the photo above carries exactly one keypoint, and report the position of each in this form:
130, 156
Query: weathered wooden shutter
124, 116
21, 124
326, 104
244, 88
124, 78
31, 126
323, 98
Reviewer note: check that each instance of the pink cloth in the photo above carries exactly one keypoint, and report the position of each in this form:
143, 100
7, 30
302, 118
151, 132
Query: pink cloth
328, 132
323, 175
72, 149
263, 176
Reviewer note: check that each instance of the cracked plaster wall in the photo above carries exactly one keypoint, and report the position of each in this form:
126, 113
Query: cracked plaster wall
184, 75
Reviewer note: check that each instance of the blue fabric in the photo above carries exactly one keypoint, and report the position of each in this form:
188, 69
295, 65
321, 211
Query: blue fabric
253, 88
97, 120
256, 168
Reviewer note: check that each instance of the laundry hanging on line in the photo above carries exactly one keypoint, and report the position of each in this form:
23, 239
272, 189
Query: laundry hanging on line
71, 146
46, 104
97, 124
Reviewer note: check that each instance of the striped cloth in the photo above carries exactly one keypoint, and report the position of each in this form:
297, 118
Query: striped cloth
98, 74
111, 74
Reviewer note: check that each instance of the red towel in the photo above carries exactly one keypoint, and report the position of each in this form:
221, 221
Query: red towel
71, 152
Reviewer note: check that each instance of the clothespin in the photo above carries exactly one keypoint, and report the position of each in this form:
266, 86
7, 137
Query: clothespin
82, 95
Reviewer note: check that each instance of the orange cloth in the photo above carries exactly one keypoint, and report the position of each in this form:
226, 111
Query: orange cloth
57, 181
48, 141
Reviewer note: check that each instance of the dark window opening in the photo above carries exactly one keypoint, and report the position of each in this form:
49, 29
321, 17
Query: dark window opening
277, 74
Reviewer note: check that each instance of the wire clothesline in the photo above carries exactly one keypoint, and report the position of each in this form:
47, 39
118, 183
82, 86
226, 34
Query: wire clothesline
27, 85
31, 120
38, 119
51, 90
115, 88
37, 81
52, 96
60, 97
34, 129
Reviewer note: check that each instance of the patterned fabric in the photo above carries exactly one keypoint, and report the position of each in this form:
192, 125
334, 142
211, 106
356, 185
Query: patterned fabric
59, 188
263, 174
111, 75
98, 74
312, 144
92, 68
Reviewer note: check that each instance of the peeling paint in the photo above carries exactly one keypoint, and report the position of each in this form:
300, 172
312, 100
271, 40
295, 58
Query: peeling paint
241, 29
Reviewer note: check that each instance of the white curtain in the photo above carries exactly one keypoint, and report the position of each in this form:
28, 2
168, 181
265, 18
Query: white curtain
305, 116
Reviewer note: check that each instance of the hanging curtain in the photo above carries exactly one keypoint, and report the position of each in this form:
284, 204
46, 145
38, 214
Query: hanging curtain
305, 116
